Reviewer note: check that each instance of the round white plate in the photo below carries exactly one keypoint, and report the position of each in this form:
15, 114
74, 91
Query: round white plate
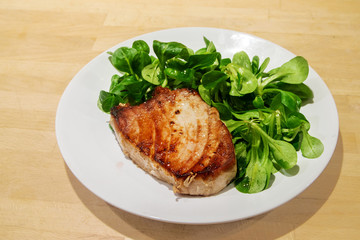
93, 155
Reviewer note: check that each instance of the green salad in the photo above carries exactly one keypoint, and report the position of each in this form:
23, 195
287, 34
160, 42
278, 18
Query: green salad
260, 107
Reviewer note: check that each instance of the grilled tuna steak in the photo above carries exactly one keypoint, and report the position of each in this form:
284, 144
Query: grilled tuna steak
178, 138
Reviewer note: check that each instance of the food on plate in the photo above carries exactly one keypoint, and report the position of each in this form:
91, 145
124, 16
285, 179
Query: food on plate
178, 138
260, 107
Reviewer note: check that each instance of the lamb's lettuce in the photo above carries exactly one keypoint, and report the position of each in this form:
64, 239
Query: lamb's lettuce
260, 108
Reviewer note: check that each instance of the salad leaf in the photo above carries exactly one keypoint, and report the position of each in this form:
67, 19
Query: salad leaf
242, 59
197, 61
211, 79
141, 46
107, 100
167, 50
152, 73
311, 147
122, 59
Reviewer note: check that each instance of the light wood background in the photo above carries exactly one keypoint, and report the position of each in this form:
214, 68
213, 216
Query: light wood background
43, 44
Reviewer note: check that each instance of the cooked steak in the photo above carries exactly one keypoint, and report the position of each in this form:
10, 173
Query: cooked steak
178, 138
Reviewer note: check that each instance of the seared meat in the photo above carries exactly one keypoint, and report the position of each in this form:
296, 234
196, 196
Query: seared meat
178, 138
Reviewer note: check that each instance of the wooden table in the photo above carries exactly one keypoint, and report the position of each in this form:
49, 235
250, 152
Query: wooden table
43, 44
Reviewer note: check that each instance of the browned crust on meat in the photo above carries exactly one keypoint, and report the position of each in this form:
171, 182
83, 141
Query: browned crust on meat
152, 135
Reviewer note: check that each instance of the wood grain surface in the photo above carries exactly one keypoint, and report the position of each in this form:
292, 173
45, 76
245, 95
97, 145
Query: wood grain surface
43, 44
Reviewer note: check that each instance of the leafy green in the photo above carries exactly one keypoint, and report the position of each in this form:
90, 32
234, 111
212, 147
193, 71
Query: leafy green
122, 59
311, 147
294, 71
242, 79
165, 51
152, 73
260, 108
211, 79
198, 61
107, 101
242, 60
141, 45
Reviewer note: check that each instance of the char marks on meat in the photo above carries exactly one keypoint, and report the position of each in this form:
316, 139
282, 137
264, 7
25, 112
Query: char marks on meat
178, 138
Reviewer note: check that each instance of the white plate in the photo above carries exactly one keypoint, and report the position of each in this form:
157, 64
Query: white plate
95, 158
